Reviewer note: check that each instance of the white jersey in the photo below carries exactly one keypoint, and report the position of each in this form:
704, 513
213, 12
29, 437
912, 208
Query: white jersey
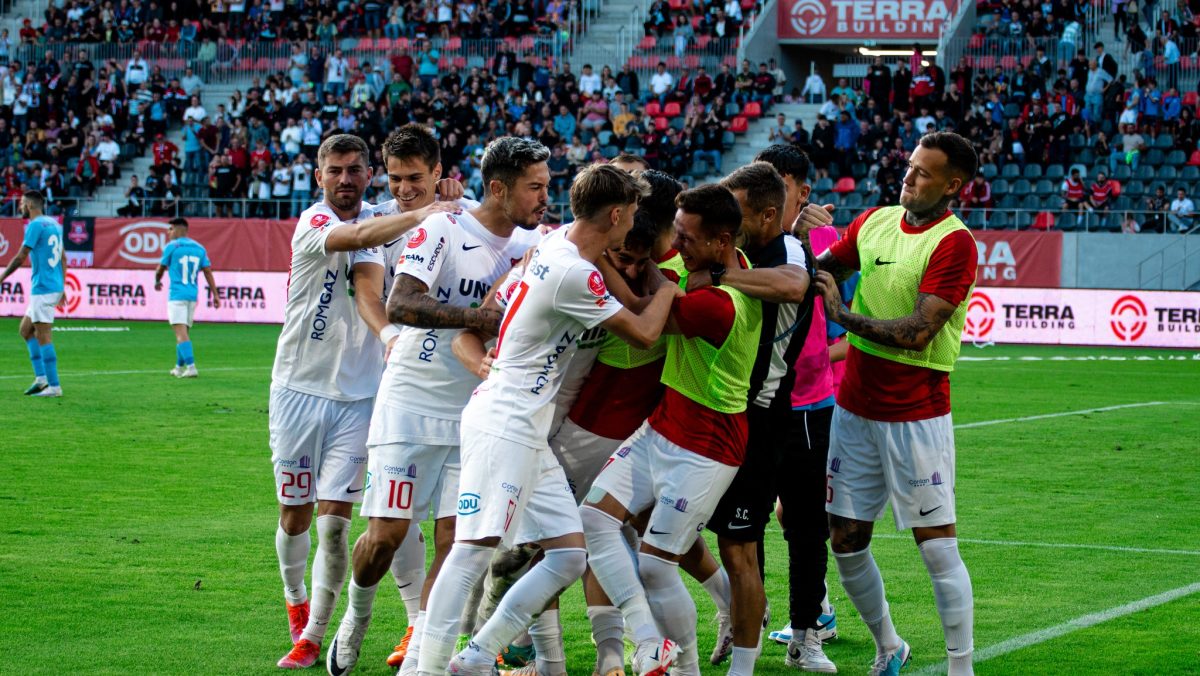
390, 254
458, 260
325, 349
559, 297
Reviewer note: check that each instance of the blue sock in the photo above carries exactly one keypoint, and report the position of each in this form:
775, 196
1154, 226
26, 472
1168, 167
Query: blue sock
185, 350
178, 354
35, 356
50, 362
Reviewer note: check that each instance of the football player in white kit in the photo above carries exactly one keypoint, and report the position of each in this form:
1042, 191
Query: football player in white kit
412, 159
449, 266
326, 371
512, 489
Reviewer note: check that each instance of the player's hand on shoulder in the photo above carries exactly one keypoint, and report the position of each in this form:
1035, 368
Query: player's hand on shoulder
449, 189
812, 216
828, 288
485, 364
439, 208
387, 352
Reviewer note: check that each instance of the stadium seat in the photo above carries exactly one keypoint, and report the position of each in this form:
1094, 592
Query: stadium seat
999, 187
1045, 187
748, 5
1012, 110
1052, 202
1168, 173
1022, 187
1022, 221
1111, 223
672, 109
1154, 157
1032, 171
1031, 202
732, 110
1008, 63
702, 42
1078, 141
844, 184
1011, 171
1135, 189
752, 110
865, 186
699, 168
1122, 203
1044, 221
653, 109
678, 123
633, 144
1055, 172
1123, 172
691, 61
1176, 158
610, 152
1164, 141
999, 220
852, 199
728, 140
986, 63
1085, 156
1190, 173
1144, 173
823, 185
604, 137
1190, 99
1009, 202
842, 217
661, 123
647, 43
989, 171
977, 219
739, 125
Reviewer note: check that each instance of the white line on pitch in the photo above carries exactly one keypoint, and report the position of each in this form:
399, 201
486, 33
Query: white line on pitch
142, 372
1058, 545
1042, 635
985, 423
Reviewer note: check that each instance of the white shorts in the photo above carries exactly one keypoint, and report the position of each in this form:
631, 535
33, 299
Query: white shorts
404, 479
318, 447
910, 463
683, 487
582, 455
515, 492
180, 311
41, 307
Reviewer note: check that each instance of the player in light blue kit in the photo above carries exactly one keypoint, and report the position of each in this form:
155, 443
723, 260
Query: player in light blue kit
43, 246
185, 258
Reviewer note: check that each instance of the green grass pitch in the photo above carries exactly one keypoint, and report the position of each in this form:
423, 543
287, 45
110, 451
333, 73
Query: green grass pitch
138, 516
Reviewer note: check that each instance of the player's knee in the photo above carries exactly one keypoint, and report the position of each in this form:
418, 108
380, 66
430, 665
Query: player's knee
295, 519
568, 564
849, 535
386, 534
596, 521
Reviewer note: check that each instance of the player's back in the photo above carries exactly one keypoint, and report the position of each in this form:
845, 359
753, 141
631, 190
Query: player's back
325, 348
44, 237
184, 258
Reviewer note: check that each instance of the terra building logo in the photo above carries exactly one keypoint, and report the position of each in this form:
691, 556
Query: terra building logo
1128, 318
808, 17
981, 316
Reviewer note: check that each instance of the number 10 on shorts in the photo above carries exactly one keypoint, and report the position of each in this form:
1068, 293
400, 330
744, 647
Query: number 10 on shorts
399, 494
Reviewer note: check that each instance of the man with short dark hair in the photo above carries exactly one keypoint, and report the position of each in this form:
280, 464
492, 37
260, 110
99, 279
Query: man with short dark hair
327, 369
892, 437
689, 448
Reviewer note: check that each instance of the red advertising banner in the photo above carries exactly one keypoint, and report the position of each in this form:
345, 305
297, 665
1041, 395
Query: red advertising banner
1013, 258
858, 20
232, 244
1084, 317
246, 297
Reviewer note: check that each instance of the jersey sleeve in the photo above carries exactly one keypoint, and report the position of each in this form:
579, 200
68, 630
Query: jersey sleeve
428, 248
32, 231
372, 254
794, 251
166, 257
846, 248
951, 269
583, 296
706, 313
312, 231
204, 261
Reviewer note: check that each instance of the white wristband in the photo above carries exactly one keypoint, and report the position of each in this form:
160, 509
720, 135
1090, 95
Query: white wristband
388, 333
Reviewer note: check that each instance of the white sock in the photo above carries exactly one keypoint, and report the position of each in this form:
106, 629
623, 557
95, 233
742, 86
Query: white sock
954, 598
864, 585
557, 571
614, 570
507, 566
292, 551
717, 587
548, 642
672, 606
329, 573
360, 600
414, 646
408, 570
826, 609
463, 567
742, 663
468, 619
608, 629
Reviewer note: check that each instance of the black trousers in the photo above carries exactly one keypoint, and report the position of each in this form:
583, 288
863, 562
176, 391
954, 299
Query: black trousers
802, 495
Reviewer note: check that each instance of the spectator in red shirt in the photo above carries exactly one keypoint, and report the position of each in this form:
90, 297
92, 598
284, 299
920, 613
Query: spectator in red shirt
260, 153
1102, 192
164, 151
976, 195
1074, 193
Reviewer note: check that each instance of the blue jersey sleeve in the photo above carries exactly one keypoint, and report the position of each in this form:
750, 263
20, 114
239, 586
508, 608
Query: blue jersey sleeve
204, 262
166, 257
32, 232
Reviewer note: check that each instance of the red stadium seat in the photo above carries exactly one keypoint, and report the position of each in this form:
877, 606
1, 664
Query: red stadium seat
1044, 221
1008, 63
696, 22
1026, 60
461, 62
673, 63
692, 61
453, 45
739, 125
1116, 188
702, 41
528, 43
655, 110
730, 60
752, 110
400, 43
444, 63
748, 5
647, 43
678, 5
639, 62
384, 44
844, 184
672, 109
986, 62
661, 123
1190, 99
366, 44
976, 41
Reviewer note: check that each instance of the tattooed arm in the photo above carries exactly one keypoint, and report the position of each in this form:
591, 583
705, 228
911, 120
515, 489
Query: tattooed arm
408, 304
912, 332
829, 263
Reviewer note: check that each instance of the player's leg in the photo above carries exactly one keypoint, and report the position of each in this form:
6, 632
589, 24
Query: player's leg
855, 498
497, 476
551, 519
182, 322
408, 571
925, 450
41, 314
35, 355
806, 530
508, 565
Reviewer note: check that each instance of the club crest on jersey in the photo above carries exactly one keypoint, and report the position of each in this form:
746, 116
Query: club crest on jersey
596, 284
318, 221
417, 239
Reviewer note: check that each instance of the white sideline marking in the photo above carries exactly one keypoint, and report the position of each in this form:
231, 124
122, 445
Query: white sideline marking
1083, 622
985, 423
96, 329
1103, 357
150, 371
1058, 545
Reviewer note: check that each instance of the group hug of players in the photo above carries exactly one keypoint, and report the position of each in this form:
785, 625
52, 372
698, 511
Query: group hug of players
584, 402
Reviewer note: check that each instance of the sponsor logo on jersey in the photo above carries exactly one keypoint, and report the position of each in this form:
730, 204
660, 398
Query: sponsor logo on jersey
936, 479
835, 465
320, 320
437, 251
681, 505
596, 284
468, 503
143, 242
510, 489
418, 238
318, 221
410, 471
416, 258
473, 288
623, 452
543, 378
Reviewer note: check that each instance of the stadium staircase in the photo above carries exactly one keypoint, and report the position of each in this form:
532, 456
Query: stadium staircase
758, 132
611, 36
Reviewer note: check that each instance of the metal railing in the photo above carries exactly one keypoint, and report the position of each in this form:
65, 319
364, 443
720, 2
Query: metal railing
1154, 272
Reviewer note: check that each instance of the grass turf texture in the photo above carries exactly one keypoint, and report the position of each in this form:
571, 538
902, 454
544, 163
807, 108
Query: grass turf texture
138, 516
